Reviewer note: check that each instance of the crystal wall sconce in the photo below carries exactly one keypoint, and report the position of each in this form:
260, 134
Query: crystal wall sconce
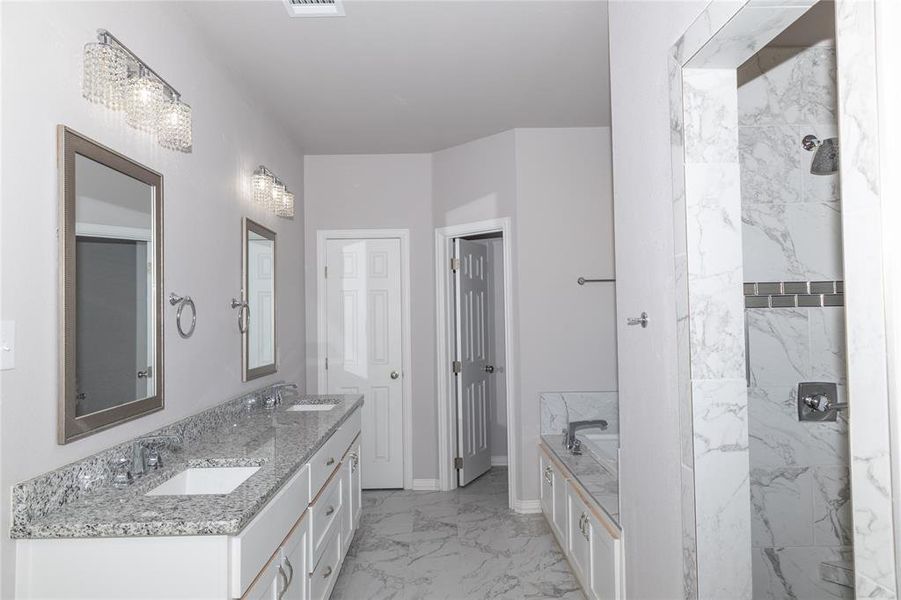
115, 77
270, 193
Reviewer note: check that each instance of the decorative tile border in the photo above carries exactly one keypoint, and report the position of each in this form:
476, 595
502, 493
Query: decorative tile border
794, 294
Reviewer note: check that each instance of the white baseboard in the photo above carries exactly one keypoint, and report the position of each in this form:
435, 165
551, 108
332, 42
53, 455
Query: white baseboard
527, 507
425, 485
498, 461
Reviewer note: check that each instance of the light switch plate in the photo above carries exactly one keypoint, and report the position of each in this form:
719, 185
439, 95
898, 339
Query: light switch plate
7, 345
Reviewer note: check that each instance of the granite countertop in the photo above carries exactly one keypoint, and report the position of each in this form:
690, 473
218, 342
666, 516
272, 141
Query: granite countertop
600, 483
278, 441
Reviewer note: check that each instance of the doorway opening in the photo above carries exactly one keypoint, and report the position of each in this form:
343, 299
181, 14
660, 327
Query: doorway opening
479, 353
475, 367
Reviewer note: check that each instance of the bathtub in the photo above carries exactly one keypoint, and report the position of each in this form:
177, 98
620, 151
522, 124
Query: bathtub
604, 447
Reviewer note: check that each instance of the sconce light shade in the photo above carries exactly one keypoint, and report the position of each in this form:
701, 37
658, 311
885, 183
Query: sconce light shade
278, 196
175, 126
262, 187
144, 98
287, 208
105, 75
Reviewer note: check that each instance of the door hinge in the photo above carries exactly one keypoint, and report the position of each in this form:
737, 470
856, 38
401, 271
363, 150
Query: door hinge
458, 462
326, 363
455, 264
326, 271
457, 366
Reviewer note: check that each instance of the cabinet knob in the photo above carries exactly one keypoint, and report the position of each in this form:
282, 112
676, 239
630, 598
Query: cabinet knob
330, 461
327, 572
329, 510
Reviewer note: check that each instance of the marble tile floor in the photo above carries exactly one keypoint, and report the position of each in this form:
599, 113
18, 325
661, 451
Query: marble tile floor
464, 544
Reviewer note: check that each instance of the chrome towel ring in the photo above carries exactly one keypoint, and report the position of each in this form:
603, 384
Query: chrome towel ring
181, 302
243, 311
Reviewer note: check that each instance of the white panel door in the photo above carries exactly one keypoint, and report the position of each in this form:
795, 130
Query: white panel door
364, 349
473, 385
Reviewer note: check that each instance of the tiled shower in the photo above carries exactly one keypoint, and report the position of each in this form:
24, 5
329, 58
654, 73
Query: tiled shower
791, 232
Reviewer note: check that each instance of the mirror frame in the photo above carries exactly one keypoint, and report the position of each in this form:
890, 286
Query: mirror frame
247, 227
69, 426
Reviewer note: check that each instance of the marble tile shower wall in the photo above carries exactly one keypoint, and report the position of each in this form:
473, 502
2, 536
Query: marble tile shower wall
800, 491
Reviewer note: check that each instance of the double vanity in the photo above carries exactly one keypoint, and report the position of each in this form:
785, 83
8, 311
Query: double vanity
254, 498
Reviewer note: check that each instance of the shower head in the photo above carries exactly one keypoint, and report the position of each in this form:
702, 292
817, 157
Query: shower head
825, 161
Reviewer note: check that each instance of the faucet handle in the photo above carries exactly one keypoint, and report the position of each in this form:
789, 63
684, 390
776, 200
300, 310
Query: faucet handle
154, 460
122, 477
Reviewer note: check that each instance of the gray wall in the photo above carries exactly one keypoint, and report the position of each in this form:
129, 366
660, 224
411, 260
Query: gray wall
385, 191
206, 194
641, 35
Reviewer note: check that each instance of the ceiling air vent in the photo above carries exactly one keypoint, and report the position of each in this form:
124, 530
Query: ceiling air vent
315, 8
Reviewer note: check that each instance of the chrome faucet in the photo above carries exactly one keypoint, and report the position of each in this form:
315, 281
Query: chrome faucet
144, 458
273, 396
574, 445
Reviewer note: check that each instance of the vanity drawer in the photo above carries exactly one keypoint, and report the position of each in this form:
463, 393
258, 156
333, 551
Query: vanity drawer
326, 572
326, 513
327, 458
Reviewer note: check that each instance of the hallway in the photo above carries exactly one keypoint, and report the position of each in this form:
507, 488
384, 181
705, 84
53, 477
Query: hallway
453, 545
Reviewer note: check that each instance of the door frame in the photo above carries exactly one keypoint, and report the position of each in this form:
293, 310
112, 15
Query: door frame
447, 407
322, 238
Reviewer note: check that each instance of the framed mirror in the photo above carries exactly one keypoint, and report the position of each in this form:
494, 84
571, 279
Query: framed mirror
258, 292
111, 273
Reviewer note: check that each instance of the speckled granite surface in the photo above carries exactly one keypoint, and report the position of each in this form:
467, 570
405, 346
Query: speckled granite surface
78, 500
601, 483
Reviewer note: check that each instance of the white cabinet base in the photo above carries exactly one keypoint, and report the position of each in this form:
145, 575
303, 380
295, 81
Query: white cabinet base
592, 544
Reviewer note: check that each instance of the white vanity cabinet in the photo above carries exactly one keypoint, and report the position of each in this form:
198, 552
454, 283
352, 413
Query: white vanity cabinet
291, 550
592, 544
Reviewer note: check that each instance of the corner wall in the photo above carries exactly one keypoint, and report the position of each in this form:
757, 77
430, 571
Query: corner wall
205, 198
641, 35
555, 185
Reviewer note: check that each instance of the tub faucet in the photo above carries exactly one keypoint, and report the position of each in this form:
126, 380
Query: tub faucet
570, 441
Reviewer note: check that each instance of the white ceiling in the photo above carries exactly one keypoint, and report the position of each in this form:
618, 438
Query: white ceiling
415, 76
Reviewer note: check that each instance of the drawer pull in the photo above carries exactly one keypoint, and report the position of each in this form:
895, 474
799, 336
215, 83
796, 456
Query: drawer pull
284, 577
329, 510
329, 462
328, 571
290, 571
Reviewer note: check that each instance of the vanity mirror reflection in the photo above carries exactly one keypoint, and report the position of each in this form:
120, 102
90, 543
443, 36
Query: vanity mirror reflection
111, 347
258, 325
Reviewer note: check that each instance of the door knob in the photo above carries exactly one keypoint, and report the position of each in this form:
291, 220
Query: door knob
394, 374
489, 368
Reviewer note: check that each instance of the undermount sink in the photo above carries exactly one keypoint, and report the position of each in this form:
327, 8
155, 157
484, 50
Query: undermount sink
311, 407
204, 480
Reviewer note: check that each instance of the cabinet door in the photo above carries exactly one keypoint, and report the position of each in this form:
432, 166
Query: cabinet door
267, 585
356, 486
546, 497
561, 509
295, 563
579, 533
346, 524
605, 583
